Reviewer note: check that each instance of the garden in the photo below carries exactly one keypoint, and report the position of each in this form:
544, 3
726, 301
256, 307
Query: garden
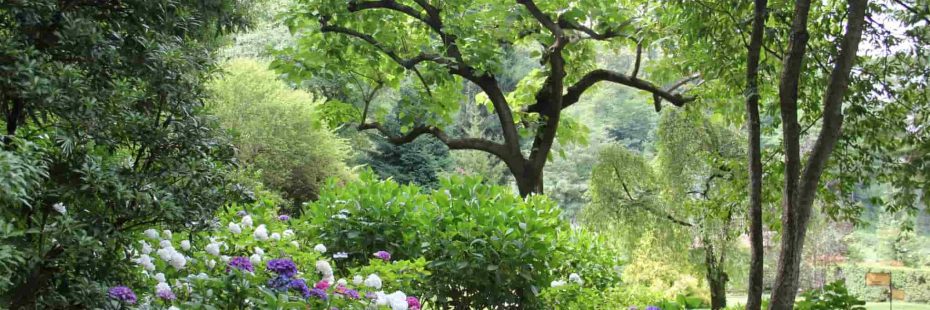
427, 155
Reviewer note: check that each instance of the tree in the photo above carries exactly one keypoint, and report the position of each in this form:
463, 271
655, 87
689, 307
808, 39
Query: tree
695, 184
277, 130
441, 44
105, 133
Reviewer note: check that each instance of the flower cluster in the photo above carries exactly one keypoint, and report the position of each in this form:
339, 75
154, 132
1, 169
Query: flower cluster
123, 294
383, 255
240, 263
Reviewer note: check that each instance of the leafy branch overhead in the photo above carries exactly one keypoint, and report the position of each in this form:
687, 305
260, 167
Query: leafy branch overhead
441, 45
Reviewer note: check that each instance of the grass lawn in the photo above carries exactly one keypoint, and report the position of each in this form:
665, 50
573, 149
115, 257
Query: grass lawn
897, 306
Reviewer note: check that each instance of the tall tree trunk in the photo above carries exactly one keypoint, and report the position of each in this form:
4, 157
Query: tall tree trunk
716, 276
754, 301
798, 200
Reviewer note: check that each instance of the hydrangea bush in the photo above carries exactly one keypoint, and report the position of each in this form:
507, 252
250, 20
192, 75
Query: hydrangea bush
254, 259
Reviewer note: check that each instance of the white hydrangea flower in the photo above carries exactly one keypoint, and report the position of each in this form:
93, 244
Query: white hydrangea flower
165, 253
213, 248
341, 255
165, 244
373, 281
178, 261
381, 299
397, 300
247, 221
173, 308
275, 236
167, 233
225, 258
342, 281
261, 233
329, 279
357, 280
259, 251
295, 244
162, 286
202, 276
146, 248
320, 248
160, 277
234, 228
557, 283
151, 234
255, 259
146, 262
186, 244
60, 208
324, 268
211, 263
574, 277
288, 233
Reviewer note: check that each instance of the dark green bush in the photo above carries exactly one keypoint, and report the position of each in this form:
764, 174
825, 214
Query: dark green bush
487, 247
915, 282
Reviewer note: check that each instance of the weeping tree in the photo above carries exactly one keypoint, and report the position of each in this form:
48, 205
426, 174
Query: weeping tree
439, 45
694, 182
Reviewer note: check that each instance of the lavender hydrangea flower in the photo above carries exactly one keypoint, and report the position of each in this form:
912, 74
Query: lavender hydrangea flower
241, 263
300, 286
284, 217
242, 213
633, 308
383, 255
319, 293
282, 266
166, 295
652, 308
122, 293
352, 294
371, 295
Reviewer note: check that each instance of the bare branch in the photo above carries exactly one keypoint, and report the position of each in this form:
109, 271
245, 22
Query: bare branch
543, 19
355, 6
639, 57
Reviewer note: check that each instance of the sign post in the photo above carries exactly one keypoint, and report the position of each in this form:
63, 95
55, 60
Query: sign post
881, 279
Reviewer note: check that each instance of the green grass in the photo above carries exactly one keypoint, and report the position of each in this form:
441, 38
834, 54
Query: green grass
897, 306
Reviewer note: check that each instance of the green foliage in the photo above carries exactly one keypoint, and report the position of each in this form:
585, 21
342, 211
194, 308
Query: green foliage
277, 130
105, 132
915, 282
833, 296
486, 246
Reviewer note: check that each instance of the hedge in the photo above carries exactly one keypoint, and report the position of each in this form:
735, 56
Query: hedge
914, 282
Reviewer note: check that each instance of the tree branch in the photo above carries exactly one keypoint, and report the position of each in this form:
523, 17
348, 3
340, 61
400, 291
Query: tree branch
543, 19
456, 144
602, 36
356, 6
575, 91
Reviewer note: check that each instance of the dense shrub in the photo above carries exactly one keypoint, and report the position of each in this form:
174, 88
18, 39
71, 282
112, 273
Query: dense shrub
277, 130
487, 247
253, 259
914, 282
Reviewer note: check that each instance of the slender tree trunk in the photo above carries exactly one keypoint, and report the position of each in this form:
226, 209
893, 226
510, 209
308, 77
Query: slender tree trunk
716, 276
754, 302
798, 200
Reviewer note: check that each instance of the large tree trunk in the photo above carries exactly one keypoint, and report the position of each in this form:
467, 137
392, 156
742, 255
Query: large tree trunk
716, 276
800, 189
754, 301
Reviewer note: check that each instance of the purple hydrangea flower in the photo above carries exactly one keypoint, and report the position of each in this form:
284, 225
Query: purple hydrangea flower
413, 303
300, 286
279, 283
352, 294
633, 308
282, 266
241, 263
319, 293
652, 308
383, 255
123, 294
284, 217
371, 295
242, 213
166, 295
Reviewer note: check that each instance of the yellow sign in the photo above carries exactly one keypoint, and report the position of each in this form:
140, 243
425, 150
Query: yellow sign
877, 279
